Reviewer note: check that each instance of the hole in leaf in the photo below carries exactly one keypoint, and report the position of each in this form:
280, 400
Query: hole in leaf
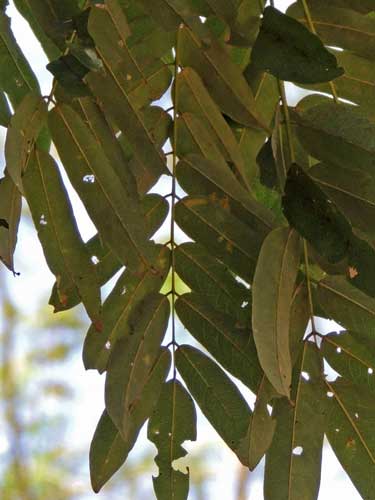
337, 430
370, 371
330, 394
338, 350
108, 345
305, 376
356, 416
244, 304
123, 291
89, 178
95, 260
297, 451
42, 220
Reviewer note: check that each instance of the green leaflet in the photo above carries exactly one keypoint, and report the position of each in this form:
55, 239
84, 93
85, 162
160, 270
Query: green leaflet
158, 123
230, 342
130, 290
272, 289
105, 136
193, 97
107, 452
155, 211
110, 448
315, 217
209, 277
351, 357
290, 52
222, 78
356, 200
115, 212
10, 213
347, 305
349, 429
340, 135
293, 461
199, 175
131, 363
218, 398
25, 7
172, 422
23, 131
266, 95
17, 78
63, 248
340, 27
261, 428
221, 233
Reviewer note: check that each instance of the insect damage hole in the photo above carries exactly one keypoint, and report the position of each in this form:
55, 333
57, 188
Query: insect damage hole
305, 376
297, 451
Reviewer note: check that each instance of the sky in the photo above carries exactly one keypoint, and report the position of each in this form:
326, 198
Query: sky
34, 286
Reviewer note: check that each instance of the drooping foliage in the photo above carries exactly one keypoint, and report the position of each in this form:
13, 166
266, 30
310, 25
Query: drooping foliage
278, 207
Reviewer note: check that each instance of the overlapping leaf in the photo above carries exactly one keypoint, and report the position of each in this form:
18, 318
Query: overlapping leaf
114, 211
130, 290
220, 232
230, 342
273, 288
132, 363
63, 248
218, 398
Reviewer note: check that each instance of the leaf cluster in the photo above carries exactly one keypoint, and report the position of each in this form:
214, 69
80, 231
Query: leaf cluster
278, 205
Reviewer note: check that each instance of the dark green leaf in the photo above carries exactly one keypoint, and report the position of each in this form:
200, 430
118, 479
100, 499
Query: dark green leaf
130, 290
272, 289
314, 216
290, 52
70, 72
218, 398
356, 200
293, 462
173, 421
230, 342
10, 213
63, 248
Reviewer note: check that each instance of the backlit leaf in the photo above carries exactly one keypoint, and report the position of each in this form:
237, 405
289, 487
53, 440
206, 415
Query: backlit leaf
173, 421
272, 289
10, 212
63, 248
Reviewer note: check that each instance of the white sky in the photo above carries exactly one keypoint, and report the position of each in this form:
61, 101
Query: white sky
34, 286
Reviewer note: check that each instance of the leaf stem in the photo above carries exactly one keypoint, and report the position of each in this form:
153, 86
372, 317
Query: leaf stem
287, 120
173, 202
311, 26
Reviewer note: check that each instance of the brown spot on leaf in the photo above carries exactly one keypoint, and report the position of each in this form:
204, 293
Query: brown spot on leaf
352, 271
